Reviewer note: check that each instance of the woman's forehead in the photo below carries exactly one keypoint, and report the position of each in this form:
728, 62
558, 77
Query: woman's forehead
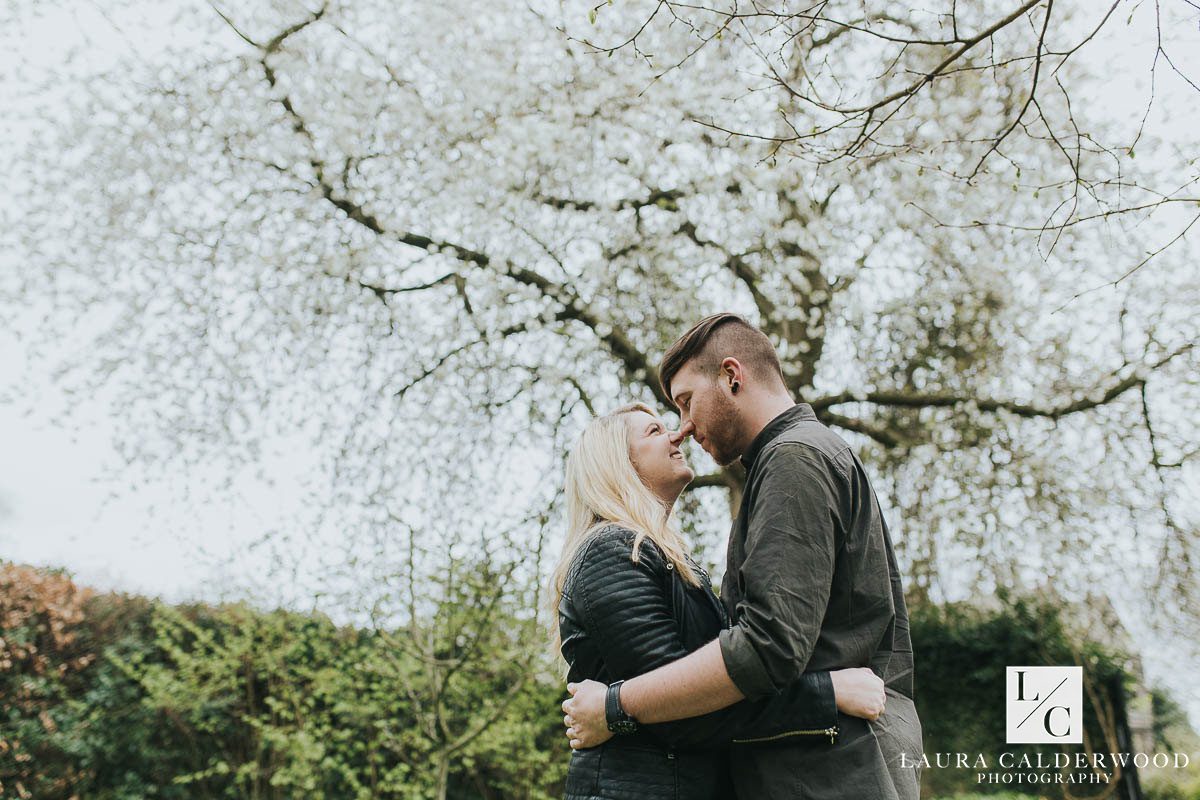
639, 419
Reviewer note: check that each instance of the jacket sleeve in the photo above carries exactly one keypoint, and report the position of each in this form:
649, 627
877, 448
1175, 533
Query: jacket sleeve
792, 537
627, 610
805, 708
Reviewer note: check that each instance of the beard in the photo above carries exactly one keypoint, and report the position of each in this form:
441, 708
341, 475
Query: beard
724, 438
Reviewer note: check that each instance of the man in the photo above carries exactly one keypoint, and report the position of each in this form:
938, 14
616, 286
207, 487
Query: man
811, 583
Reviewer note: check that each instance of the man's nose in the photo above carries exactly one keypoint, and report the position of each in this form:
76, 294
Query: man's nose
685, 430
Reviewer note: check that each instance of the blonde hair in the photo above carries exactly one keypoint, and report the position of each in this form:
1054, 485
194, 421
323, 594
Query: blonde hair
603, 488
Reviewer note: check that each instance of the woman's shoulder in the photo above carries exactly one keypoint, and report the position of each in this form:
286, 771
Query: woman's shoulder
617, 539
611, 547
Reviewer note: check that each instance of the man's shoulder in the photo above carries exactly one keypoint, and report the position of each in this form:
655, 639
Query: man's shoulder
807, 444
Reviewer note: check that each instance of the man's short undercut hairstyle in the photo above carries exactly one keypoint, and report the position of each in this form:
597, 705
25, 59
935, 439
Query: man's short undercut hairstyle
714, 339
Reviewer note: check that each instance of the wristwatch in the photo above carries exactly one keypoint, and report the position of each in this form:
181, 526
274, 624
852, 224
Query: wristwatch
618, 721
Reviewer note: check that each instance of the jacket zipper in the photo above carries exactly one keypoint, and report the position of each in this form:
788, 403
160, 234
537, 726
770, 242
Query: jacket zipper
832, 733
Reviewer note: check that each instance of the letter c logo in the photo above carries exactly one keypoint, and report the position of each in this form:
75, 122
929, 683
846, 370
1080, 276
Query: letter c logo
1067, 732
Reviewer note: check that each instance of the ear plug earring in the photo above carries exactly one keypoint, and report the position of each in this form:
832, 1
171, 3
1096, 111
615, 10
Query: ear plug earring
733, 387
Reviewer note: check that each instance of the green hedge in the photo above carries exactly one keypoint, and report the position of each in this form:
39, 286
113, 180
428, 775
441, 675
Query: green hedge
111, 697
961, 652
231, 702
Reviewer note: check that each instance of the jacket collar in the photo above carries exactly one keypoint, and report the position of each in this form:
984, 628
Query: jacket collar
801, 412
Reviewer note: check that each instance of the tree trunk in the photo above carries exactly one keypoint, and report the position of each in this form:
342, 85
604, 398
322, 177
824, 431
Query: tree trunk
443, 774
735, 479
1130, 787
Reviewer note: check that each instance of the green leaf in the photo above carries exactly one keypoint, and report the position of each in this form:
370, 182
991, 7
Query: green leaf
592, 16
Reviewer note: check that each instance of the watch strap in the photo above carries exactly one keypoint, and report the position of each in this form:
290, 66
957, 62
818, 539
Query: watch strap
618, 721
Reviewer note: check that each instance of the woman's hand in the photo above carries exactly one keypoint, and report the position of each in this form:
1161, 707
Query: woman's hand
583, 714
858, 692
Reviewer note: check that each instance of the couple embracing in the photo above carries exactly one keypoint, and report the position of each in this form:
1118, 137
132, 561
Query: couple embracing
798, 681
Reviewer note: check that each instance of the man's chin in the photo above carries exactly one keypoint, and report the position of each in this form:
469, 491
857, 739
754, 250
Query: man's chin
719, 454
724, 459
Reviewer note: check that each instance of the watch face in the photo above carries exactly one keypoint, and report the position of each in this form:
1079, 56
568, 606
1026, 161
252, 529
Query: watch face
625, 726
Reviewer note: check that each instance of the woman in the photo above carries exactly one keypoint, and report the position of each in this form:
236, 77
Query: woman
630, 599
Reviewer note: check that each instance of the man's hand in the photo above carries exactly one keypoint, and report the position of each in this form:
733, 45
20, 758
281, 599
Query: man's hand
859, 693
584, 715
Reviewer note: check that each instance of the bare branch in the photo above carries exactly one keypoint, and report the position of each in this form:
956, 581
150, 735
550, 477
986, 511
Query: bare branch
885, 437
1037, 69
904, 399
930, 76
708, 481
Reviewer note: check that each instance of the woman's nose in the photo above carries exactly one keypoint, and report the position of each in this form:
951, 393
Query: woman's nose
679, 435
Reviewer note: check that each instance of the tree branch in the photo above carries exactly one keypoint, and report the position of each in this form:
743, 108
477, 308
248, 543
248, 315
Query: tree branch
885, 437
1037, 70
930, 76
710, 480
634, 360
902, 399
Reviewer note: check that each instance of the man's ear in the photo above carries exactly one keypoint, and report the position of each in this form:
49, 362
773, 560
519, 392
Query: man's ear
732, 374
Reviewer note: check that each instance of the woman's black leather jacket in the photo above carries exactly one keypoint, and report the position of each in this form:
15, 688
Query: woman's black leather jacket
619, 619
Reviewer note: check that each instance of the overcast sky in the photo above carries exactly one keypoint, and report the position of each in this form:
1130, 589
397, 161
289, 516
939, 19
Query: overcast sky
64, 503
59, 505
